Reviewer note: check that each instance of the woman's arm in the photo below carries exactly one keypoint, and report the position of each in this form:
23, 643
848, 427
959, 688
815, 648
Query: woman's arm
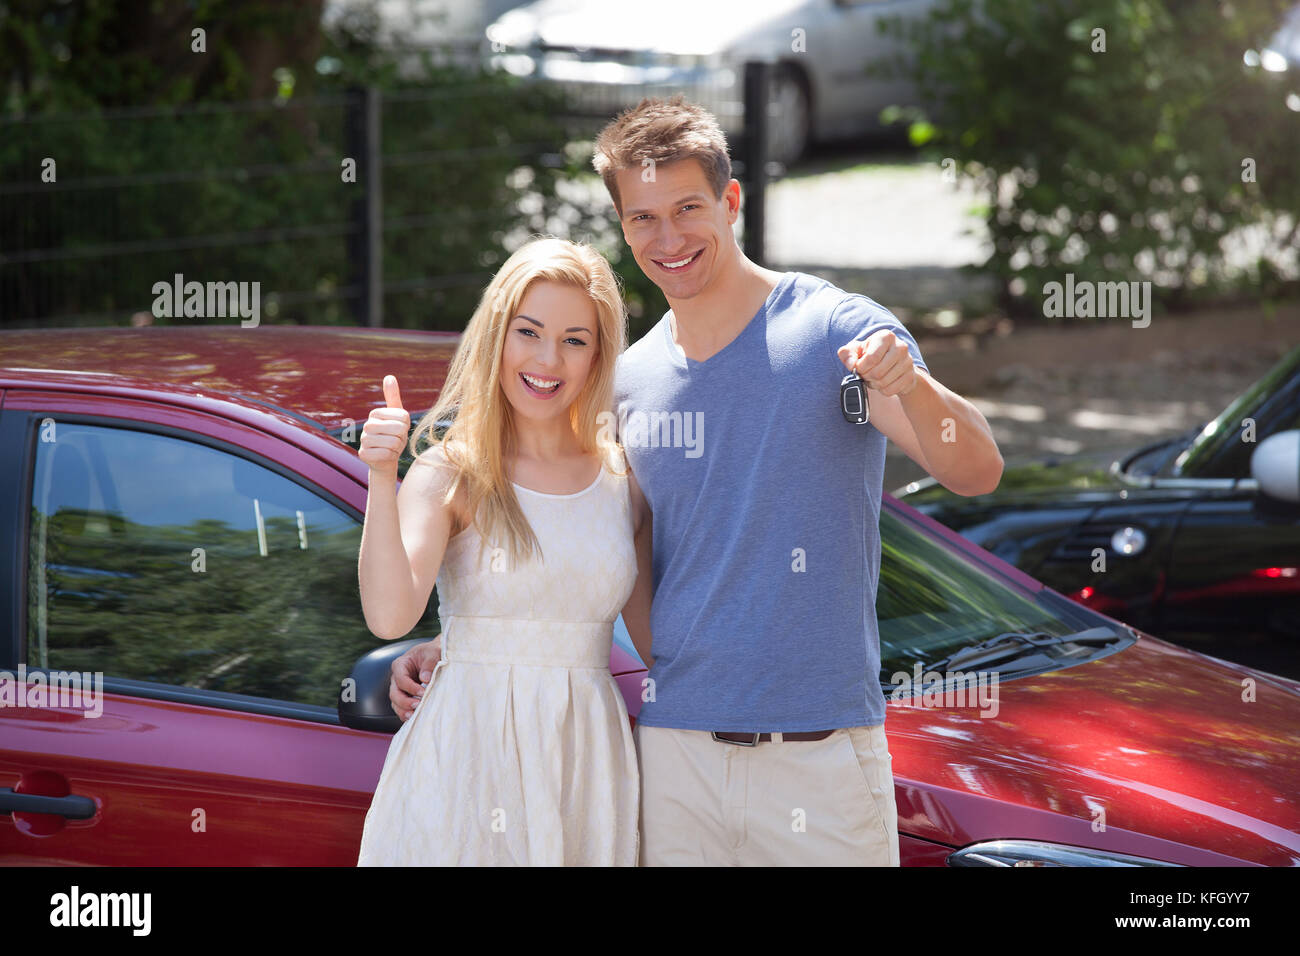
406, 532
636, 613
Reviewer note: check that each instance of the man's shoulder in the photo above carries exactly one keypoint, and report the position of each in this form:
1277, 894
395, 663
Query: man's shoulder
639, 357
813, 292
643, 349
840, 304
820, 312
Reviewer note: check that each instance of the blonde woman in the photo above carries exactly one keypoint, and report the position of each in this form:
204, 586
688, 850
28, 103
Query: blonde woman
524, 514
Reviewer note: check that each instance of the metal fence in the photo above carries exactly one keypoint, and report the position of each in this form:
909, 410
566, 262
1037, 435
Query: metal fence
95, 209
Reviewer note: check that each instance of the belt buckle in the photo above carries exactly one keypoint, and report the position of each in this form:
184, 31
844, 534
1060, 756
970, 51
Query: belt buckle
738, 743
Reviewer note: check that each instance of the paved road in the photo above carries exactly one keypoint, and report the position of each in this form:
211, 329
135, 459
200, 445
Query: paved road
893, 214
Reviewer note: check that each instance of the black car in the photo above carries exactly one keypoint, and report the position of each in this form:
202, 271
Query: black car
1194, 538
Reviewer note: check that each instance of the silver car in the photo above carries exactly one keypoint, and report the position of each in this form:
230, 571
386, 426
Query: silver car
609, 53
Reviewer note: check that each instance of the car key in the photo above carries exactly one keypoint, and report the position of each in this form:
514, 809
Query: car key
853, 399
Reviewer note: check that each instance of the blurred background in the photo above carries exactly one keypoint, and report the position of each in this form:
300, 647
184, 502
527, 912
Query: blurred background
948, 158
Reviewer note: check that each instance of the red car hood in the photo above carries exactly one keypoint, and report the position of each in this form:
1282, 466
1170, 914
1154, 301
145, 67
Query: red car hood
1157, 737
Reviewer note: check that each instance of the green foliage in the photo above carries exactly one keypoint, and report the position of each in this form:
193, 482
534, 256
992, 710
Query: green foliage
227, 166
89, 54
1122, 165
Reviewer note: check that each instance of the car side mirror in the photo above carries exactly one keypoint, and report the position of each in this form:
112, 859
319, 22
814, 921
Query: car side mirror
1275, 464
372, 710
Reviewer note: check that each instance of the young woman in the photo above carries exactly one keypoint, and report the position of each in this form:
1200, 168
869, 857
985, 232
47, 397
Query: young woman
524, 514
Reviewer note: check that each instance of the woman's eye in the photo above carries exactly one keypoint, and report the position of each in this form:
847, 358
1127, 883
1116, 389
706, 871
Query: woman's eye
574, 339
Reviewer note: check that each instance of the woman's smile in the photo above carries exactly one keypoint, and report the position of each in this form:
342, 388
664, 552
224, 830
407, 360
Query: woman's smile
539, 386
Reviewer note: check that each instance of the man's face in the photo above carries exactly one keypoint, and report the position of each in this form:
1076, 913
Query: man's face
679, 234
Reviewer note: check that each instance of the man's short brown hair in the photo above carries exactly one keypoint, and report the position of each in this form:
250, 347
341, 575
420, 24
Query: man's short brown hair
662, 131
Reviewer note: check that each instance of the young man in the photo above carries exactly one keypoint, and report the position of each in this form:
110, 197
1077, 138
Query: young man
761, 733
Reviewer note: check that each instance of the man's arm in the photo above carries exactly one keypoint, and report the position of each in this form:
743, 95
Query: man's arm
938, 429
636, 613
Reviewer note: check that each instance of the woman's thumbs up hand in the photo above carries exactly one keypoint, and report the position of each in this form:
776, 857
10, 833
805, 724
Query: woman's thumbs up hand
385, 432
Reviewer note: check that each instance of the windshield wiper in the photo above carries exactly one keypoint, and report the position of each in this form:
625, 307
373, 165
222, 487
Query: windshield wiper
1014, 644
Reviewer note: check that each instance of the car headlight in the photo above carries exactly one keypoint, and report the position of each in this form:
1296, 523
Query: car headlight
1039, 853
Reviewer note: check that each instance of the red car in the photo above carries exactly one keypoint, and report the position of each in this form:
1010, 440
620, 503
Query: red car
180, 512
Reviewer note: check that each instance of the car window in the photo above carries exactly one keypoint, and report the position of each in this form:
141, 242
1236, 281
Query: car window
1273, 403
163, 560
932, 601
1283, 414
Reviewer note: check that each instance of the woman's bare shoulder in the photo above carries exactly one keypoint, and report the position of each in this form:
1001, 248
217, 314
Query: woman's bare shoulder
432, 474
431, 469
615, 458
640, 507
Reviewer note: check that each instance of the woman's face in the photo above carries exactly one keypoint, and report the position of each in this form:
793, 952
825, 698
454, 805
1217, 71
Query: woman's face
552, 340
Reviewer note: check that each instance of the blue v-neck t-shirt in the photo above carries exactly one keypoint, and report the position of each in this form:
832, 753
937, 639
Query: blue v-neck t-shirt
766, 514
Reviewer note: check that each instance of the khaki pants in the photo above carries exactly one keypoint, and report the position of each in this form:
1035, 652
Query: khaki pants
780, 803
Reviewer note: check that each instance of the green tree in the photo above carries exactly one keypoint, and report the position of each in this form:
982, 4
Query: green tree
1112, 137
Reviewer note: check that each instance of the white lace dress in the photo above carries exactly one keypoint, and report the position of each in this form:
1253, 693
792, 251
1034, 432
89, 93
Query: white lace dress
520, 752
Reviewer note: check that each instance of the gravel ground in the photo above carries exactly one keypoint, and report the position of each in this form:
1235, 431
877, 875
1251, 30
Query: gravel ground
1104, 387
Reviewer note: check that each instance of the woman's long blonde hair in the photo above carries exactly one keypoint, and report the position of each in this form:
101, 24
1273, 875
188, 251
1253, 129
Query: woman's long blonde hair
482, 431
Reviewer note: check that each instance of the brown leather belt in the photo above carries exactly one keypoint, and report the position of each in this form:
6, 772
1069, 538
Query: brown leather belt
750, 740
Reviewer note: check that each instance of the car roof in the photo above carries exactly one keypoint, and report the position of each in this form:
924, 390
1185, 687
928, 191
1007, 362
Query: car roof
326, 374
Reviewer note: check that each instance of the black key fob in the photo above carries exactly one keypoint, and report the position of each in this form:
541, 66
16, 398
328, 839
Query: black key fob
853, 399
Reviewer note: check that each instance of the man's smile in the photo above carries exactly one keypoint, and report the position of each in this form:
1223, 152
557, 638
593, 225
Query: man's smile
680, 264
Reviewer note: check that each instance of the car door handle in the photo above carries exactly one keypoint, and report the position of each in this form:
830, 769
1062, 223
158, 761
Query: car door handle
71, 807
